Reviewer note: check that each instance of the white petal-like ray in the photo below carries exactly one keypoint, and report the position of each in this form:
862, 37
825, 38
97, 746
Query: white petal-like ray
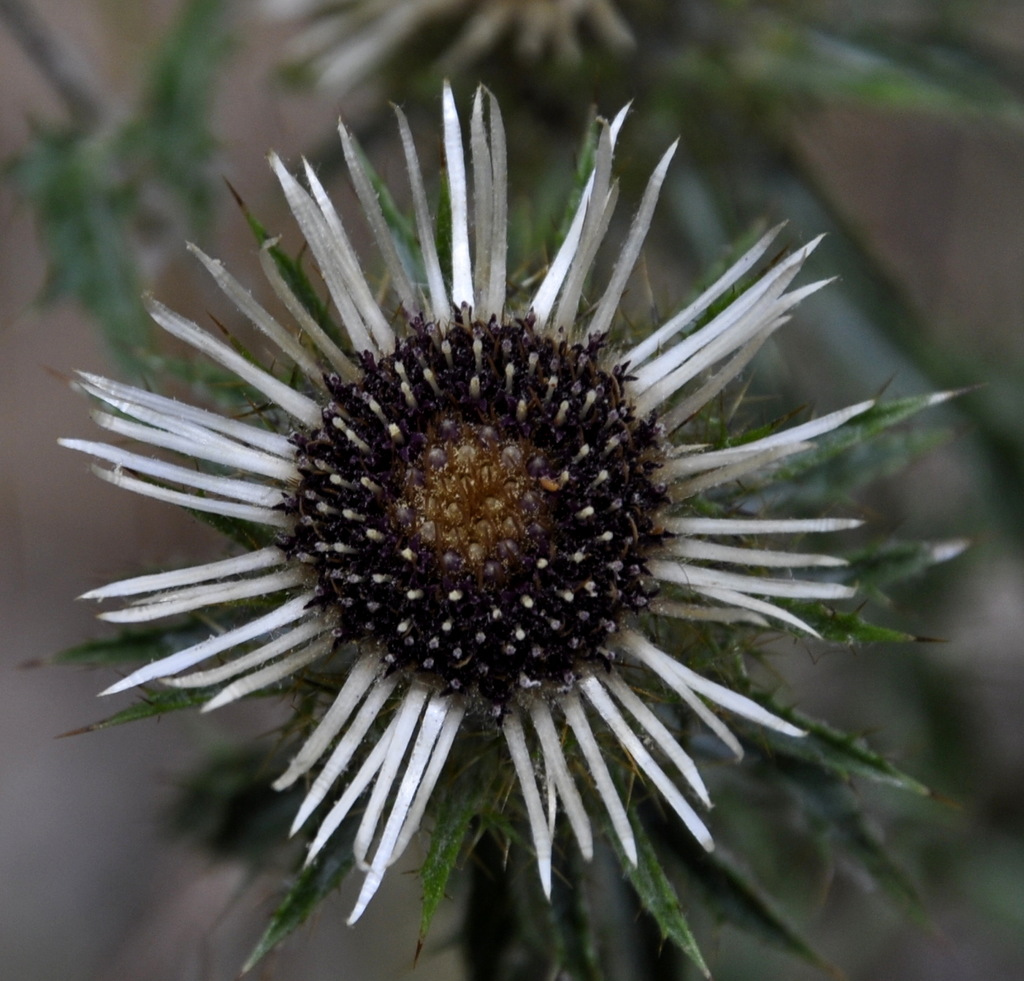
240, 490
323, 244
419, 757
758, 526
713, 614
247, 512
249, 562
287, 641
657, 730
269, 675
258, 316
193, 441
440, 308
580, 726
696, 576
630, 250
636, 356
689, 548
370, 201
516, 740
336, 358
163, 412
494, 295
406, 722
601, 700
568, 252
176, 663
666, 666
455, 709
304, 409
352, 792
555, 765
358, 680
483, 200
349, 265
343, 752
188, 598
758, 297
455, 161
747, 464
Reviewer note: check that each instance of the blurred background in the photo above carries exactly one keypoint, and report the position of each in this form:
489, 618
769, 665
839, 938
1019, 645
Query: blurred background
896, 127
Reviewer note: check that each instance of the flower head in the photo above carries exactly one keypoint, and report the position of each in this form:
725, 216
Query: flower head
473, 509
344, 42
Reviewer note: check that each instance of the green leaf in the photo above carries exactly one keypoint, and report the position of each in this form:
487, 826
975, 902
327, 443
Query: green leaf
876, 420
889, 562
843, 628
308, 889
83, 213
881, 70
153, 703
845, 754
459, 806
733, 897
134, 645
172, 129
574, 928
658, 897
833, 810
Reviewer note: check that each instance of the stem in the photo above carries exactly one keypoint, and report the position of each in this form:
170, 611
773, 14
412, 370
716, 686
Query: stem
59, 63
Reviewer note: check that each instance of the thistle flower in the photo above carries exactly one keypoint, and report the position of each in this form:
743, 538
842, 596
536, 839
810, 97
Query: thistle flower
345, 41
475, 509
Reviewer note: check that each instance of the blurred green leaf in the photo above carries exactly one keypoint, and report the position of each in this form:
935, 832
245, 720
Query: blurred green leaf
896, 561
659, 898
731, 896
880, 70
844, 754
459, 805
833, 810
83, 209
171, 131
135, 645
308, 889
153, 703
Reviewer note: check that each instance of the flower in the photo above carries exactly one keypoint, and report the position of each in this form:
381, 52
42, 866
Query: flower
472, 506
346, 41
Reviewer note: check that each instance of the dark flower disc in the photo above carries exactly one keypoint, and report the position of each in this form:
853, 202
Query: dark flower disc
480, 504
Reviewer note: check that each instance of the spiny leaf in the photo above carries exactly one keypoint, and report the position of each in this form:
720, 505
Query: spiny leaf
172, 129
659, 898
843, 753
134, 645
896, 561
867, 425
833, 809
83, 213
733, 897
843, 628
153, 703
309, 888
459, 806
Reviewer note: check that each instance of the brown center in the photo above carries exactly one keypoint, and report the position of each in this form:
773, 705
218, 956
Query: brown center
475, 498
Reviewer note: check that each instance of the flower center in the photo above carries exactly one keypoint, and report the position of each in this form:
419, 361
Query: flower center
479, 505
474, 499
